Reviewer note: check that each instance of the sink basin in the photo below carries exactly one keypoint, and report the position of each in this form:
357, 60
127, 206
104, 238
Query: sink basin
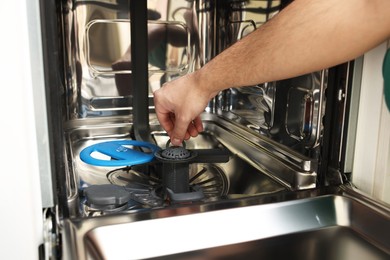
316, 224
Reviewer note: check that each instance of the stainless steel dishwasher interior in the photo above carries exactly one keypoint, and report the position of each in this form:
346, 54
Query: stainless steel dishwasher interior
241, 177
273, 199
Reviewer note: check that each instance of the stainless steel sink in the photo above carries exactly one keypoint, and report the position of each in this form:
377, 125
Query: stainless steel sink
339, 224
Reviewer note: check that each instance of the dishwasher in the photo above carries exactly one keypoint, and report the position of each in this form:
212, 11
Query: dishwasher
267, 178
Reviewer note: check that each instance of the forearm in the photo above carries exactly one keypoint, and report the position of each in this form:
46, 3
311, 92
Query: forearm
308, 35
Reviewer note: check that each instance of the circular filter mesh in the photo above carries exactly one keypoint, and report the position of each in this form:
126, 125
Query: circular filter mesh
175, 153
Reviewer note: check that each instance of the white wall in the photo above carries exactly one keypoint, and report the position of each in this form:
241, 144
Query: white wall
21, 209
371, 168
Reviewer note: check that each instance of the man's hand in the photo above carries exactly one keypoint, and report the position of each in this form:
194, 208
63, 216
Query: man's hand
179, 117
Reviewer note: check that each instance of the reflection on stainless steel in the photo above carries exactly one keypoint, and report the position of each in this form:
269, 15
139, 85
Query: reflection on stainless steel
98, 63
256, 105
222, 23
297, 104
294, 170
161, 33
345, 227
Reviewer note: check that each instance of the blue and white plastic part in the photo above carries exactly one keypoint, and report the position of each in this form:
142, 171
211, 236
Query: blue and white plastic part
119, 153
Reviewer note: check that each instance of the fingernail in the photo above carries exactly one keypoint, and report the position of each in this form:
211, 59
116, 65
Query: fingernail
176, 141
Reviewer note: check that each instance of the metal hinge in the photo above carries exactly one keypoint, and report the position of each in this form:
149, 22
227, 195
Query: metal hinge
50, 248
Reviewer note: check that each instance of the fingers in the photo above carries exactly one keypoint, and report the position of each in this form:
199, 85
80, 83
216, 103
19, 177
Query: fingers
178, 110
191, 130
198, 124
166, 120
195, 127
183, 130
163, 112
179, 130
